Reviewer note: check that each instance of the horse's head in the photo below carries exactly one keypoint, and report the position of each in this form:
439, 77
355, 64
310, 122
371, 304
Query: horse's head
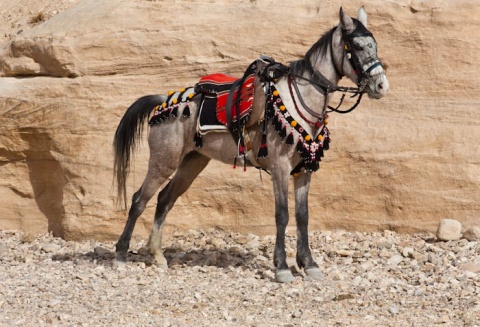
360, 49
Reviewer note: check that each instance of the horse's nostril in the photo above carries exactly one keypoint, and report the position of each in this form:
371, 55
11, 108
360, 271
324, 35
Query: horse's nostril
380, 86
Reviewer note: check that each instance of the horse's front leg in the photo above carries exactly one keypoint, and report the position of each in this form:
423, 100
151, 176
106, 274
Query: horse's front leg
304, 254
280, 186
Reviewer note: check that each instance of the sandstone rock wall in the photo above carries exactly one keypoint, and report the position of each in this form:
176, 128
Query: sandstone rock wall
68, 75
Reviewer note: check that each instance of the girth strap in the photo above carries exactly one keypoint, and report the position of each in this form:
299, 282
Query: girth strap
238, 83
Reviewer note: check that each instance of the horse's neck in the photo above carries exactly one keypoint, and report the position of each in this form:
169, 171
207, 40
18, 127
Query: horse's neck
313, 96
329, 65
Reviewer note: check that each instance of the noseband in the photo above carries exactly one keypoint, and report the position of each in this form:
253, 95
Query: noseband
363, 75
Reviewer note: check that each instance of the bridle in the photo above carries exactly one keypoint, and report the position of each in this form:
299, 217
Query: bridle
310, 146
364, 75
324, 86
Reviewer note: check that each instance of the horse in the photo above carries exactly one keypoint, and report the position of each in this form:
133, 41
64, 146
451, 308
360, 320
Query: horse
292, 102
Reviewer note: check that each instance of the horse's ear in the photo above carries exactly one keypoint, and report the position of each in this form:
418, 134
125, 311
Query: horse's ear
362, 16
346, 21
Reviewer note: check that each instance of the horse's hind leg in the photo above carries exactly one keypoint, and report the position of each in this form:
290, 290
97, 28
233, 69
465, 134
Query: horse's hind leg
304, 255
190, 167
157, 174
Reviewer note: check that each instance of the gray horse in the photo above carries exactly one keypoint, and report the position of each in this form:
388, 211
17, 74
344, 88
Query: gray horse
291, 102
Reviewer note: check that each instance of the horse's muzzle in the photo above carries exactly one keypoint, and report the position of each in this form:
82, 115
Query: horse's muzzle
378, 86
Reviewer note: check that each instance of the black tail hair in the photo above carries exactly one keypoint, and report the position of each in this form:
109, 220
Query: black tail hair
127, 138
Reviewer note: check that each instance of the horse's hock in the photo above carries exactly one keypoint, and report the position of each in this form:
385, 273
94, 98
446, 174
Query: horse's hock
401, 163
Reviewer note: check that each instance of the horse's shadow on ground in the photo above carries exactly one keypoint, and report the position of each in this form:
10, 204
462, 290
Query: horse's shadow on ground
220, 258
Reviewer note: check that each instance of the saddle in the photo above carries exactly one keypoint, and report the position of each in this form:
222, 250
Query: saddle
221, 91
227, 102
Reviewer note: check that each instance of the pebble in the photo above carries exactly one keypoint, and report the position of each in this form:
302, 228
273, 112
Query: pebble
449, 230
394, 260
297, 313
218, 242
230, 280
3, 249
470, 266
27, 258
418, 256
407, 251
344, 253
393, 310
472, 234
101, 251
385, 244
50, 248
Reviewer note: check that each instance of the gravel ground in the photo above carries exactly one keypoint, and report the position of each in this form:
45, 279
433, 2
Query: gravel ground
220, 278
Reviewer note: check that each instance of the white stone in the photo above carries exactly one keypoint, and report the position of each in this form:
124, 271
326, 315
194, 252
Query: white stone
50, 248
449, 230
472, 234
407, 251
393, 310
394, 260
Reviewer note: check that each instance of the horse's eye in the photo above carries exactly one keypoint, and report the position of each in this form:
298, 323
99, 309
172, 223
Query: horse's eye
358, 47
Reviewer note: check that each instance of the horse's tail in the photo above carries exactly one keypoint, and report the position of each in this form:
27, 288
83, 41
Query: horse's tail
127, 138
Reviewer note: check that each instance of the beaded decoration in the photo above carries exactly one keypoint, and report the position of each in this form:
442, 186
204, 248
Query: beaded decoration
171, 106
311, 148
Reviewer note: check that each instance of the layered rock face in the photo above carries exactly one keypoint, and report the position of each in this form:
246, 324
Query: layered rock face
403, 162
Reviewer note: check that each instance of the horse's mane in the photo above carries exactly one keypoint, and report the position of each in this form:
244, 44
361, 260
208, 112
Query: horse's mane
318, 50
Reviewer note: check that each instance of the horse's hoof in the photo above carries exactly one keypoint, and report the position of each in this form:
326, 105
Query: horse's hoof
314, 273
121, 256
284, 276
160, 265
159, 261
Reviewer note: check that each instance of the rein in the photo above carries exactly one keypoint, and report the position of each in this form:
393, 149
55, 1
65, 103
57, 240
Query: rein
327, 88
323, 85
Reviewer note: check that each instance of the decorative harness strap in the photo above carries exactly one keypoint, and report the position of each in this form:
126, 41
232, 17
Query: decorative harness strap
171, 106
310, 147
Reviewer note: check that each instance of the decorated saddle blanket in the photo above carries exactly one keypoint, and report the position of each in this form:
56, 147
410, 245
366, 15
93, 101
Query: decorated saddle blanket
216, 89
